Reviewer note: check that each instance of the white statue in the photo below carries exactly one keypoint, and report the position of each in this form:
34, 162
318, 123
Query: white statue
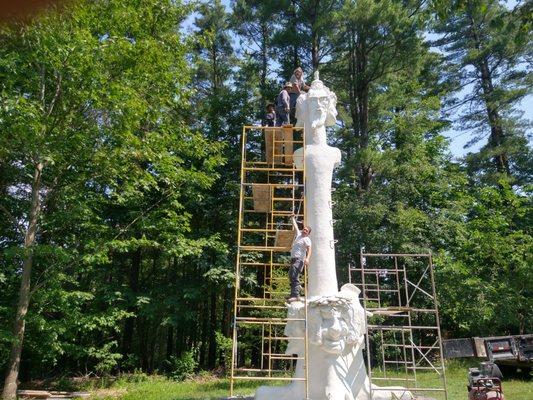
315, 110
336, 320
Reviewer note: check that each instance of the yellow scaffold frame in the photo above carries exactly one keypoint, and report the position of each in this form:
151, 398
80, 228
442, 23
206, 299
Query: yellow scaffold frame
277, 164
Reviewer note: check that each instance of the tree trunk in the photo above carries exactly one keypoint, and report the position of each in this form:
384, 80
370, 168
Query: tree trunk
170, 342
359, 98
293, 18
129, 325
10, 383
496, 138
315, 39
264, 64
211, 359
204, 334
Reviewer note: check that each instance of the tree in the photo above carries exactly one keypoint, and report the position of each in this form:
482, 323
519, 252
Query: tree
301, 39
42, 111
255, 22
372, 42
487, 47
93, 110
489, 256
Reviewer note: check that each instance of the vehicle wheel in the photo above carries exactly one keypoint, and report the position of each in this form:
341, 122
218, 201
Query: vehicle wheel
508, 371
525, 373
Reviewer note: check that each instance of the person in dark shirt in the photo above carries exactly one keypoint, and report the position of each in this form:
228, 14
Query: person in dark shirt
300, 255
283, 105
270, 117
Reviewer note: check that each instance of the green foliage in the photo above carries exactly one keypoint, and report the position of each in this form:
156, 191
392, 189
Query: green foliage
485, 276
99, 94
183, 367
225, 346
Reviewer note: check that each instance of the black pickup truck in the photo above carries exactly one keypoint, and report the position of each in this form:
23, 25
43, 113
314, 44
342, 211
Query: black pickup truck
509, 352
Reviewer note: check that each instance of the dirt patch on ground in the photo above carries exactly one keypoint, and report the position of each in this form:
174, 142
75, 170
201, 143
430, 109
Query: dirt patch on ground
108, 393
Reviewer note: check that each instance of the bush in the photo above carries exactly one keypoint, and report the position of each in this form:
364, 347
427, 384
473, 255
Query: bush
225, 346
183, 367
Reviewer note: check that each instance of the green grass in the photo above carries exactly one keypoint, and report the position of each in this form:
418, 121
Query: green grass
160, 388
210, 388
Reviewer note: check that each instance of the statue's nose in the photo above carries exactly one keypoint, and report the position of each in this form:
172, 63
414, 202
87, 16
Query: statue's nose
336, 328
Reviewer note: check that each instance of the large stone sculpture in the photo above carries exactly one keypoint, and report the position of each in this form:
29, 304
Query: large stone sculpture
315, 110
336, 319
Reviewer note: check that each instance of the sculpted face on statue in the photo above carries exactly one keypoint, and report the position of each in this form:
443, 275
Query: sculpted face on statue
317, 108
321, 104
334, 325
334, 330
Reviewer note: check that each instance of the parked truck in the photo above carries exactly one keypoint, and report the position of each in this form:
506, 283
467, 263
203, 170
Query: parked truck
510, 353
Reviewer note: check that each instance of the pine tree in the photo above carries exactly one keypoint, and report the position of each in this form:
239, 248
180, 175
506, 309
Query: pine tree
256, 22
372, 41
487, 47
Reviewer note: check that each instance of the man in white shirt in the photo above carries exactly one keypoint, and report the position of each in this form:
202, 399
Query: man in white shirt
300, 255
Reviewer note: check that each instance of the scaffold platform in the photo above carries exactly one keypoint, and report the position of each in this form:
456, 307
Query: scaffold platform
271, 191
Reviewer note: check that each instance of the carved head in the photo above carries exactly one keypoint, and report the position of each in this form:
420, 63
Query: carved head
337, 322
316, 108
322, 101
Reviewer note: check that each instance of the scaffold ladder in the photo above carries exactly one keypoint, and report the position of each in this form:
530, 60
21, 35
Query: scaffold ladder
271, 190
403, 341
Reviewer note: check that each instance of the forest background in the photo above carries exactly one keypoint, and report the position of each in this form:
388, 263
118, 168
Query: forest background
120, 126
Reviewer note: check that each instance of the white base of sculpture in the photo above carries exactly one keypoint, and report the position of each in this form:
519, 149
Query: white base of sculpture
336, 327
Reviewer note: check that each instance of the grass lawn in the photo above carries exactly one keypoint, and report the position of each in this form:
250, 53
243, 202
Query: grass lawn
209, 388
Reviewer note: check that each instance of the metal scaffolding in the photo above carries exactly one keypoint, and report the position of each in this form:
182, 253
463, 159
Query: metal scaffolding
403, 342
272, 189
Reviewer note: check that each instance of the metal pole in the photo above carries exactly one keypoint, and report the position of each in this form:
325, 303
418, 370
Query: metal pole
435, 303
237, 268
362, 258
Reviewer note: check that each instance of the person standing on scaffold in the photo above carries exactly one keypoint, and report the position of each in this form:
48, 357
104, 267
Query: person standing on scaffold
300, 255
283, 105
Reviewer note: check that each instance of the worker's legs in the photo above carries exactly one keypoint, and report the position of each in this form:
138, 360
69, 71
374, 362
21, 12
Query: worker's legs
294, 97
294, 276
282, 117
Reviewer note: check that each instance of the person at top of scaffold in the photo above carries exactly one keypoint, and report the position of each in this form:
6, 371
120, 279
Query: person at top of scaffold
283, 106
298, 87
270, 115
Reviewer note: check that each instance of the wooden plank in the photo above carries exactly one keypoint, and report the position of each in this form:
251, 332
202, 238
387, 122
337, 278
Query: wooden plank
284, 238
44, 394
34, 394
262, 195
288, 145
274, 155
